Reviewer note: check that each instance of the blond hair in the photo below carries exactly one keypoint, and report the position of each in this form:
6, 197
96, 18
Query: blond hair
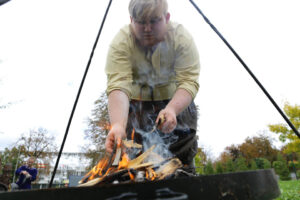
144, 9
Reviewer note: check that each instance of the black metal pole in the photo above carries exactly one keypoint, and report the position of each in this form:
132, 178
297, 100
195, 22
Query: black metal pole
248, 70
3, 2
78, 94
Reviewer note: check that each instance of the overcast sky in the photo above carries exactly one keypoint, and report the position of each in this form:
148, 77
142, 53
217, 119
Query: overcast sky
45, 46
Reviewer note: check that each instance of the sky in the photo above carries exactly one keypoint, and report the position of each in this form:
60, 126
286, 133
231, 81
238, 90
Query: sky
45, 46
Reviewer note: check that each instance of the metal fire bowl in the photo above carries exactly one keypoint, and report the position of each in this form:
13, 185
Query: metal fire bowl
259, 184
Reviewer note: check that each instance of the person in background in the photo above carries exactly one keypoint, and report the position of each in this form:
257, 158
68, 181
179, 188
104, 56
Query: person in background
152, 73
27, 173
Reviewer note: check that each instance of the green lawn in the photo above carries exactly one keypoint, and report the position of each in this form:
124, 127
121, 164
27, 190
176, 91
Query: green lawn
290, 190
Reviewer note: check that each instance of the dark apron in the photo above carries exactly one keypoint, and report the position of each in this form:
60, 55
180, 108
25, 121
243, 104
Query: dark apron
182, 142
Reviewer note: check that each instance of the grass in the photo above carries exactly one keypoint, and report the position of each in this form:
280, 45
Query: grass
290, 190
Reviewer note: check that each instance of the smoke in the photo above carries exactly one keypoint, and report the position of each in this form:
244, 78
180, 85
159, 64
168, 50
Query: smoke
161, 141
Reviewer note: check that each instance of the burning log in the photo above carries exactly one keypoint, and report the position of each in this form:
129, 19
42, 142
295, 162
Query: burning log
114, 175
136, 162
168, 168
131, 144
103, 178
147, 166
127, 144
104, 167
117, 157
96, 170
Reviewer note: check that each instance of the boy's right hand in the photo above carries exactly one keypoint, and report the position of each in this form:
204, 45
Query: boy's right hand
116, 134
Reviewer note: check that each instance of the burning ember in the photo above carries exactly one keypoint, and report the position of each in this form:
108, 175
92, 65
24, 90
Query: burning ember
118, 167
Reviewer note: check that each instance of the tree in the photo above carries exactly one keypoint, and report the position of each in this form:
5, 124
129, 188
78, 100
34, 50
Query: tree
11, 157
219, 168
200, 160
281, 169
6, 104
253, 165
258, 147
233, 151
208, 169
262, 163
37, 143
98, 126
240, 164
230, 166
286, 134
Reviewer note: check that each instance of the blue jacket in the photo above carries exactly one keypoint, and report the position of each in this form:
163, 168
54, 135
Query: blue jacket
24, 183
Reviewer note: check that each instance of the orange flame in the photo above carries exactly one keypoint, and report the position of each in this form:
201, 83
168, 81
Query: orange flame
150, 174
124, 162
97, 170
132, 134
131, 175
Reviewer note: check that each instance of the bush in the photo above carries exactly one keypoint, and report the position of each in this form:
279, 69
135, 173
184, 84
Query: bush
229, 166
240, 164
253, 165
219, 168
199, 164
267, 164
278, 165
208, 169
285, 174
262, 163
282, 170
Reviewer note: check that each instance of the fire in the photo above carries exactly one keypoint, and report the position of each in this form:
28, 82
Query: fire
132, 177
124, 162
132, 134
118, 165
150, 174
96, 170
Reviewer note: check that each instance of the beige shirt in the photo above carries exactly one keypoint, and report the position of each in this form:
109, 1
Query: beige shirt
158, 72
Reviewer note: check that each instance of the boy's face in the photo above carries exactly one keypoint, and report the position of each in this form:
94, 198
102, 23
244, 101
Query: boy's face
150, 31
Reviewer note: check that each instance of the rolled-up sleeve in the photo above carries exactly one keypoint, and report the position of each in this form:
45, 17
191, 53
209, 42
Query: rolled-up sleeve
187, 64
118, 66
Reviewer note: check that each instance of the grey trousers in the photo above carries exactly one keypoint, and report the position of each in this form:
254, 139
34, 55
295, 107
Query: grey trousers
182, 142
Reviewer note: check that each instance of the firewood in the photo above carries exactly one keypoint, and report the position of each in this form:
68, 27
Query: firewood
85, 178
131, 144
137, 161
110, 160
113, 176
117, 157
155, 169
91, 182
168, 168
101, 168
